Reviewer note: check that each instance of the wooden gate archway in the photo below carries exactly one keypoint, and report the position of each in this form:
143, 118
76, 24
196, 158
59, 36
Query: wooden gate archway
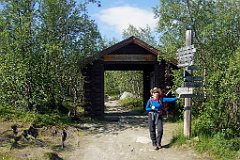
129, 54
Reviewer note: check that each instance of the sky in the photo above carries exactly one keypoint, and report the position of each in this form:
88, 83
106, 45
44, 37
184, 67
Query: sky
115, 15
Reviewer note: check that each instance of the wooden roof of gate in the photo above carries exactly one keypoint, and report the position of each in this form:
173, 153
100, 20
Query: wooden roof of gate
133, 47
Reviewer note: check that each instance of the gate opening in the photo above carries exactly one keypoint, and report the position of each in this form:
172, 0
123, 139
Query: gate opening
123, 92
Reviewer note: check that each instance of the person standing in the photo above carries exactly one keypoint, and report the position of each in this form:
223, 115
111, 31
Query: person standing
154, 107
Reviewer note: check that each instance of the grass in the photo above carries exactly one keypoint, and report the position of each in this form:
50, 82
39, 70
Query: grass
216, 146
178, 137
135, 104
10, 114
6, 156
219, 147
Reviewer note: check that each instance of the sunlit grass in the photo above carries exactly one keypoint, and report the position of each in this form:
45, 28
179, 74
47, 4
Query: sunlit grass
135, 104
216, 146
10, 114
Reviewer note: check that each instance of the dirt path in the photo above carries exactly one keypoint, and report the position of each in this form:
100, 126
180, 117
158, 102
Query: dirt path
126, 137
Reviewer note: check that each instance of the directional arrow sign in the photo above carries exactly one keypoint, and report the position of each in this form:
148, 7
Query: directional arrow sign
186, 58
186, 50
190, 79
183, 65
193, 84
192, 67
185, 92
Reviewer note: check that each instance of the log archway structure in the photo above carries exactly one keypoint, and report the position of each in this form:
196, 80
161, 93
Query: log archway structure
129, 54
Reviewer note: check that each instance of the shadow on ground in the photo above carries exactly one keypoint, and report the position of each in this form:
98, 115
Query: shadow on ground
114, 122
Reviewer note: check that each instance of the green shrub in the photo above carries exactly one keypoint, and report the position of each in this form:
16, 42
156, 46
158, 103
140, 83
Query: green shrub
178, 137
8, 113
135, 104
6, 156
218, 144
203, 126
219, 147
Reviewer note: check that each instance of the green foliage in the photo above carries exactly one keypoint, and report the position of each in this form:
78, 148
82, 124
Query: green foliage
135, 104
145, 34
6, 156
43, 48
116, 82
222, 111
203, 125
178, 138
216, 145
54, 118
219, 147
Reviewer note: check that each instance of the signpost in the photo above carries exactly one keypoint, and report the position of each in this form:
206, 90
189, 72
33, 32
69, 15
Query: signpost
186, 59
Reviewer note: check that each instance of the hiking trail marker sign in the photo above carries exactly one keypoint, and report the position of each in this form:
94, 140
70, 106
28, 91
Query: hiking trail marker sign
185, 92
185, 56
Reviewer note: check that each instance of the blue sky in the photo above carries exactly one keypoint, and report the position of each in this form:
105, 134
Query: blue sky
115, 15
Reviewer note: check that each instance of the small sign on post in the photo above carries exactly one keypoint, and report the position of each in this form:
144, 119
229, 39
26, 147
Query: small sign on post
185, 92
191, 78
185, 56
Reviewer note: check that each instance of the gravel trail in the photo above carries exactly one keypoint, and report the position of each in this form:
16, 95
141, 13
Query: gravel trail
126, 137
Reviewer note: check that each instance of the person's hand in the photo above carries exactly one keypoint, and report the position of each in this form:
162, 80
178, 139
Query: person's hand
153, 107
179, 96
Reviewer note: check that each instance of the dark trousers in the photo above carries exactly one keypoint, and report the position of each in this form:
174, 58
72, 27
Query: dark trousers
155, 120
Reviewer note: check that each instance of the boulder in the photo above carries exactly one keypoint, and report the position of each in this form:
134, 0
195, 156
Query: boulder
126, 95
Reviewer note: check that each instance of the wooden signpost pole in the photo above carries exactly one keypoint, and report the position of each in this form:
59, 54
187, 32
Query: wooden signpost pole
185, 57
188, 101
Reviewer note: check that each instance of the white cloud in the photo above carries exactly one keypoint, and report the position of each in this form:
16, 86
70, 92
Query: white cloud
119, 18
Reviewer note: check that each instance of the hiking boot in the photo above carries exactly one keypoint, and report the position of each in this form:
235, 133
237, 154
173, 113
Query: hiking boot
156, 148
159, 146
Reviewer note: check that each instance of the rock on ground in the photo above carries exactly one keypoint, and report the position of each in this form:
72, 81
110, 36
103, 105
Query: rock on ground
126, 95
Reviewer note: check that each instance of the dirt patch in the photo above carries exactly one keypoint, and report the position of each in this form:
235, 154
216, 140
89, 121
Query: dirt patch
48, 142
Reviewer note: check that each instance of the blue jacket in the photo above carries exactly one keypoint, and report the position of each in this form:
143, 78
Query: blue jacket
157, 104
